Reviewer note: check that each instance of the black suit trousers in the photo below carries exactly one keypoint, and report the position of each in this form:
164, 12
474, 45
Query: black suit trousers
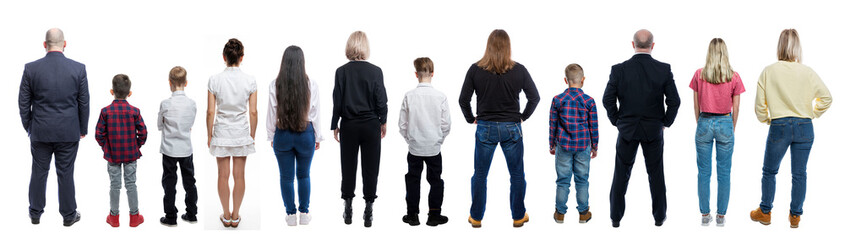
65, 154
626, 151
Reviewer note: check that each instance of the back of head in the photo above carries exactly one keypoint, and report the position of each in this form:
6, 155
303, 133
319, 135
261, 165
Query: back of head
121, 86
717, 69
178, 76
643, 39
497, 56
55, 39
789, 47
574, 73
233, 51
293, 93
423, 66
357, 46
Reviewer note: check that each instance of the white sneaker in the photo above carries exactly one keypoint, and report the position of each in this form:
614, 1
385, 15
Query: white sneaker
706, 219
291, 219
304, 218
720, 220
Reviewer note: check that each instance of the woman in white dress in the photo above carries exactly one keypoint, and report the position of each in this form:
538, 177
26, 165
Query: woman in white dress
231, 132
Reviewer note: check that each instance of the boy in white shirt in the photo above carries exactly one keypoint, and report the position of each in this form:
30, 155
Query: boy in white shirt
176, 116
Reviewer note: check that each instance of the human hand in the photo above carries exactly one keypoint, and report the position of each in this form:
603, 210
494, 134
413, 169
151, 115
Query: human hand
209, 142
475, 122
81, 137
552, 151
271, 144
317, 146
593, 153
383, 130
336, 132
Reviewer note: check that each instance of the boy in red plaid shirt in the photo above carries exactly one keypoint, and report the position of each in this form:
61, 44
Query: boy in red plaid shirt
121, 132
573, 139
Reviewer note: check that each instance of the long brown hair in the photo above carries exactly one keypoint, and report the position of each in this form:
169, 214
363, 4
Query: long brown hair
293, 93
497, 57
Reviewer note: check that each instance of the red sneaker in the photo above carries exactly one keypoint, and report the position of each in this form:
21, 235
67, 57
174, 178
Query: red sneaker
136, 219
113, 220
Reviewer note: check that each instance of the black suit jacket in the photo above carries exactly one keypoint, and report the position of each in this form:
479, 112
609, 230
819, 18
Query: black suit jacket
53, 99
641, 85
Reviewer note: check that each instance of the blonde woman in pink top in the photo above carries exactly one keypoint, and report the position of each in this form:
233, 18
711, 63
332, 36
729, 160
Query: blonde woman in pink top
717, 88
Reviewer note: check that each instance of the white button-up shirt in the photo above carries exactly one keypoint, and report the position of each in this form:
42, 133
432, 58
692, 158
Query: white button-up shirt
176, 117
424, 120
313, 111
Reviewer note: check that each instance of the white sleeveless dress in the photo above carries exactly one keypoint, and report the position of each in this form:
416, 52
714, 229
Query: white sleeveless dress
230, 136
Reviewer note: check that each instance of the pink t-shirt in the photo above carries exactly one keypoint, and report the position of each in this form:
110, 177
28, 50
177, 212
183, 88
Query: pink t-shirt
716, 98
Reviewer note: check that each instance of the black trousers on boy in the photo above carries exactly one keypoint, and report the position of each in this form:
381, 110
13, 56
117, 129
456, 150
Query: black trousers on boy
366, 135
168, 181
434, 167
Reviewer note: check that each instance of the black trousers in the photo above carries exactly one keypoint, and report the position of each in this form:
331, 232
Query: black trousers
168, 182
42, 154
366, 136
434, 166
626, 151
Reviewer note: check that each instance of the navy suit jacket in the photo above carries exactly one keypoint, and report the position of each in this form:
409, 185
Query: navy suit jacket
53, 99
640, 85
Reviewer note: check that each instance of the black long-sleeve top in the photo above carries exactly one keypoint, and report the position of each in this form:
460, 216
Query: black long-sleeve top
359, 93
498, 94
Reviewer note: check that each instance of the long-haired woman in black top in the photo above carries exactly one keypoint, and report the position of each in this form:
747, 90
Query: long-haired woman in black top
361, 101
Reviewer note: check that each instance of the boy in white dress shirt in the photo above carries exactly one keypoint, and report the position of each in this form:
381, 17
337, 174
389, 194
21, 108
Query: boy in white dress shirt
176, 116
424, 122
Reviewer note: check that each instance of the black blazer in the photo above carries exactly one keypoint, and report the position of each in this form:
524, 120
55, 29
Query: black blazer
640, 85
53, 99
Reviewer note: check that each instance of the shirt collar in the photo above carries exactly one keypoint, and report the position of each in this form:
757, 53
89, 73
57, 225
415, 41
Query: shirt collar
121, 101
232, 68
178, 93
574, 89
424, 85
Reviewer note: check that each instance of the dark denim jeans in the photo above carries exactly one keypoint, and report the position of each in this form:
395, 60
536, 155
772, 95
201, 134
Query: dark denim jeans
797, 135
487, 136
294, 151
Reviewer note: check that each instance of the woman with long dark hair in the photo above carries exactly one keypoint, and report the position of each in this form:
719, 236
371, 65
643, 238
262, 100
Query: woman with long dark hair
497, 81
293, 127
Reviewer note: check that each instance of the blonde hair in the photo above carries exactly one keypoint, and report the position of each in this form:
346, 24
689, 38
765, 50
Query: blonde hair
178, 76
424, 65
497, 56
717, 69
789, 47
357, 47
574, 73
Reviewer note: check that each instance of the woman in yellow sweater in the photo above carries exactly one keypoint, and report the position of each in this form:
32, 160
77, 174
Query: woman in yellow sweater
789, 96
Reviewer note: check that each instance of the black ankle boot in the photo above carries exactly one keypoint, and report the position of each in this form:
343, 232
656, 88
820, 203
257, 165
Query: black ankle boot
368, 214
434, 218
347, 211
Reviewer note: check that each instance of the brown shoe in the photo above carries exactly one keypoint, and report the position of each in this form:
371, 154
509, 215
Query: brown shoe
585, 216
763, 218
520, 222
474, 223
793, 220
558, 217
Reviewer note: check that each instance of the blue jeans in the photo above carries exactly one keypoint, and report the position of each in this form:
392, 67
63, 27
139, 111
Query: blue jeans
719, 129
487, 136
294, 151
797, 135
567, 163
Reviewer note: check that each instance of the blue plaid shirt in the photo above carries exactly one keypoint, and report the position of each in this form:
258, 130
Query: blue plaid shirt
573, 122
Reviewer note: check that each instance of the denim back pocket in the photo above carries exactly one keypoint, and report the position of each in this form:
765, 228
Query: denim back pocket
482, 133
804, 132
776, 132
725, 130
701, 128
515, 132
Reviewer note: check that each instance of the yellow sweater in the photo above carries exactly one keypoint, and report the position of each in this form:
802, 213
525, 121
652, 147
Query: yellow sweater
790, 89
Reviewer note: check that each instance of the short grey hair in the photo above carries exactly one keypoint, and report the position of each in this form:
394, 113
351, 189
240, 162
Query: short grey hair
643, 39
55, 37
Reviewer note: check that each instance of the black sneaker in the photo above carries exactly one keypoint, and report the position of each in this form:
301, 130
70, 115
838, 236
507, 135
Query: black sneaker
70, 222
189, 218
168, 221
411, 219
436, 219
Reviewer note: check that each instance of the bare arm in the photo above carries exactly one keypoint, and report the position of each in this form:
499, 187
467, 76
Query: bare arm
697, 106
209, 115
735, 110
253, 113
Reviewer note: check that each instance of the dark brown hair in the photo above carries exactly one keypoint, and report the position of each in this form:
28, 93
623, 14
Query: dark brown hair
424, 65
178, 76
497, 57
293, 93
121, 86
233, 51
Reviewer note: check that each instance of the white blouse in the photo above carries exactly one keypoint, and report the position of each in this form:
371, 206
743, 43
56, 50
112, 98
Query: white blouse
232, 89
313, 111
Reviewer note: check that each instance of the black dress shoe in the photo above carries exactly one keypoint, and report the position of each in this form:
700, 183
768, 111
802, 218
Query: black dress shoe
189, 218
436, 219
615, 224
411, 219
35, 221
659, 222
168, 221
70, 222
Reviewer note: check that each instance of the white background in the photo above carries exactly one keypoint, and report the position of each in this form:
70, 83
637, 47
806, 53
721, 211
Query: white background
145, 39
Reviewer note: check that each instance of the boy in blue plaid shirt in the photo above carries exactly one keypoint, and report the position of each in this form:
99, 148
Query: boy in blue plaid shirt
121, 132
573, 139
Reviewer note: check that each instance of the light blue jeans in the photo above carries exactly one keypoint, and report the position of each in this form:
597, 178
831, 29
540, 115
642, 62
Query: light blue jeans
567, 163
718, 129
128, 176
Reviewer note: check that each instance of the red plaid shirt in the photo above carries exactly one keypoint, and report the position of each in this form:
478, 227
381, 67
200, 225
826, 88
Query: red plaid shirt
573, 123
121, 132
